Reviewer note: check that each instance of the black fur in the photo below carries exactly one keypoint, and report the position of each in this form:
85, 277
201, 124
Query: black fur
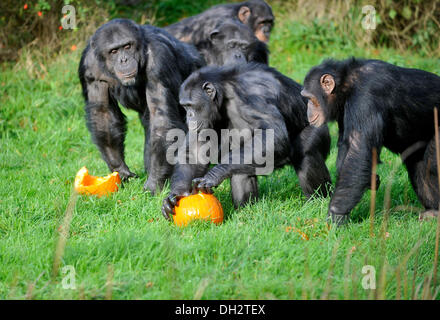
233, 43
144, 74
197, 29
377, 104
252, 96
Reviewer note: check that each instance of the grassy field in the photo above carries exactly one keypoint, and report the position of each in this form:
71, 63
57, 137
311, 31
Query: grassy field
122, 248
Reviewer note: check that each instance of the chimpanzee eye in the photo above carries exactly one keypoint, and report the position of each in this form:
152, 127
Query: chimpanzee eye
127, 46
265, 25
315, 102
113, 51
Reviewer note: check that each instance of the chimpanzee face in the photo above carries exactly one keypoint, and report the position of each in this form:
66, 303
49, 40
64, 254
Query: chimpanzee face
232, 43
258, 16
118, 47
320, 94
201, 100
263, 28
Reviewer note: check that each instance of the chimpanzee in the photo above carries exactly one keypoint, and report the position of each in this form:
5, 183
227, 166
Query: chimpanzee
141, 67
376, 104
233, 42
249, 96
256, 14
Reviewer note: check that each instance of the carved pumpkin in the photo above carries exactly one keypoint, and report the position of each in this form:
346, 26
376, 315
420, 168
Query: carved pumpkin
87, 184
198, 206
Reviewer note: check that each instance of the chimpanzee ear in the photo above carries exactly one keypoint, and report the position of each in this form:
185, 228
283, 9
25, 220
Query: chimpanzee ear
214, 34
327, 83
209, 88
244, 13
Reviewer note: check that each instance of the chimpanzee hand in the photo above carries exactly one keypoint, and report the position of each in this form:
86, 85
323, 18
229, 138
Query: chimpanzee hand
337, 218
170, 202
125, 173
206, 183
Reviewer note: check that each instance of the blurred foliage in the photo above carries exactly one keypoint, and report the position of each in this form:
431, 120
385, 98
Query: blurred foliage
27, 24
412, 24
407, 24
162, 12
37, 24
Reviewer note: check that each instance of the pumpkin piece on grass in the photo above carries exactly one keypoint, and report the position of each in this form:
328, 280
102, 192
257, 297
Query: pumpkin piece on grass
87, 184
201, 206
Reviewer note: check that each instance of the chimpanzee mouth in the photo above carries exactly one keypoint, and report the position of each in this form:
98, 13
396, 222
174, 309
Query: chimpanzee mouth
314, 121
195, 125
129, 75
262, 37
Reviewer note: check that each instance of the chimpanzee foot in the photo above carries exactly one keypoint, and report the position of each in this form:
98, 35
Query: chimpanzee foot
428, 215
150, 186
153, 185
337, 219
125, 173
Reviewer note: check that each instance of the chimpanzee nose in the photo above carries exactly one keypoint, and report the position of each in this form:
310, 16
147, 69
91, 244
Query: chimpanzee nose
124, 59
238, 56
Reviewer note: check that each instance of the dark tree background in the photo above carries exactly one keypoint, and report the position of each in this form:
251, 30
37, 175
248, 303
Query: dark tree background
407, 24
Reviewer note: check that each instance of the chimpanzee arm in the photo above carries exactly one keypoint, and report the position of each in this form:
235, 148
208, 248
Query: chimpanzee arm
278, 147
343, 147
181, 186
310, 149
259, 53
181, 180
163, 113
354, 174
107, 125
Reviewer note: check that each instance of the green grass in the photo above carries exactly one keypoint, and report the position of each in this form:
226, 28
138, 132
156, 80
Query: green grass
123, 238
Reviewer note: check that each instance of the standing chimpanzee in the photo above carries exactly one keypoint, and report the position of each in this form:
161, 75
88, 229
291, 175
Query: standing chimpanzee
254, 97
233, 43
376, 104
256, 14
141, 67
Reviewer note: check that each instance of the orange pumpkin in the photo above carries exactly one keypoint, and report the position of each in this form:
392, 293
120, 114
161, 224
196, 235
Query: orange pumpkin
198, 206
87, 184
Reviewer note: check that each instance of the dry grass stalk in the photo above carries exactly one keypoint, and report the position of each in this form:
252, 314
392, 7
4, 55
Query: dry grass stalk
398, 285
373, 191
109, 283
381, 290
325, 294
346, 272
437, 233
201, 289
64, 233
304, 293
